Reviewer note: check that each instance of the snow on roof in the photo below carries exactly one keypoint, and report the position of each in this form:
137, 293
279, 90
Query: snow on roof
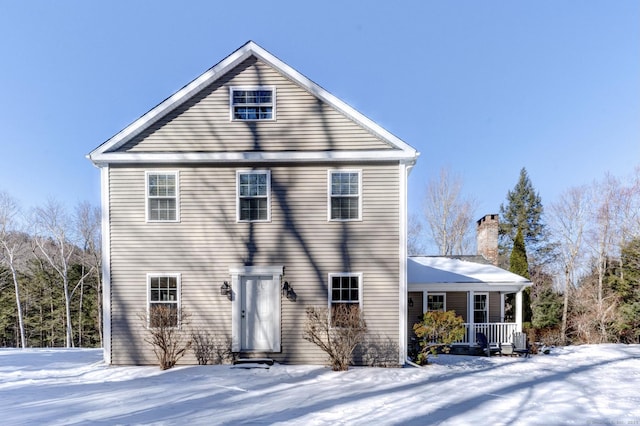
440, 270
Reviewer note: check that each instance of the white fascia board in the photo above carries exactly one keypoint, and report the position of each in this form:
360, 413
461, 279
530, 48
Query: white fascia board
450, 287
247, 157
220, 70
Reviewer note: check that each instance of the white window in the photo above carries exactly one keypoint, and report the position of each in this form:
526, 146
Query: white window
436, 302
345, 200
254, 195
345, 289
480, 308
162, 196
164, 299
253, 103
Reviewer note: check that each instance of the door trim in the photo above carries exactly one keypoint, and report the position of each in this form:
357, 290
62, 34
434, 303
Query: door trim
237, 272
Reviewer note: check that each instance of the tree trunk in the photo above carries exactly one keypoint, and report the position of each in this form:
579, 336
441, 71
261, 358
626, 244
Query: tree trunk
565, 308
67, 307
80, 310
19, 307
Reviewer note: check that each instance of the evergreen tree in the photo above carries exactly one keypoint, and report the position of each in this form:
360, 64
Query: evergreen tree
625, 282
518, 264
546, 306
523, 211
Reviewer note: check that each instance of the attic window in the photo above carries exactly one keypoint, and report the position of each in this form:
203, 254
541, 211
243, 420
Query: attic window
253, 103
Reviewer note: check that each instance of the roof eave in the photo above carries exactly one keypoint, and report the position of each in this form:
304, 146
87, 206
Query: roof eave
504, 287
249, 157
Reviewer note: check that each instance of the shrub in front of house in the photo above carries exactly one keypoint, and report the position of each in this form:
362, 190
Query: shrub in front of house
337, 332
166, 332
436, 332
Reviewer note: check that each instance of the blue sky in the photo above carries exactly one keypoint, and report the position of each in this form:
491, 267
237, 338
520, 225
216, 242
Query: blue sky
482, 87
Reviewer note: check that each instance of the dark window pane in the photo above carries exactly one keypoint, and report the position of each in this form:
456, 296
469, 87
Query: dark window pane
354, 294
344, 294
253, 209
344, 208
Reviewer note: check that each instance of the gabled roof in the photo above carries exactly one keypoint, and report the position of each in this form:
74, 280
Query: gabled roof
457, 274
105, 152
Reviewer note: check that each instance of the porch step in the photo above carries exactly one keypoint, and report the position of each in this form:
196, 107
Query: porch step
253, 362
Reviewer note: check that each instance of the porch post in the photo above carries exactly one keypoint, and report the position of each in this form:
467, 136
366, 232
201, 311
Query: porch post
519, 310
502, 307
470, 319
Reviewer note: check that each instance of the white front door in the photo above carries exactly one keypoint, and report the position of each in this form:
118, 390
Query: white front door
259, 317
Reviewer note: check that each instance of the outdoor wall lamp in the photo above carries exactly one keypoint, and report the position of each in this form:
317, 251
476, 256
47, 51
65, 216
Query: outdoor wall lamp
225, 289
410, 302
287, 290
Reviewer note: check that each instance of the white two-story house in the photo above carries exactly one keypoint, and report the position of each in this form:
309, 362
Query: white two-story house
243, 198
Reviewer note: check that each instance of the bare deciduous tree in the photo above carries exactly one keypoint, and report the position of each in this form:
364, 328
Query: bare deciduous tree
604, 240
569, 216
13, 249
449, 214
53, 238
88, 222
415, 244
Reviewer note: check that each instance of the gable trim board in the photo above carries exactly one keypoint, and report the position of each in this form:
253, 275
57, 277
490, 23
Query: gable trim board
99, 155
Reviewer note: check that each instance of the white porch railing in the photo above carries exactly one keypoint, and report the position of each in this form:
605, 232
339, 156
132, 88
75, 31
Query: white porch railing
496, 332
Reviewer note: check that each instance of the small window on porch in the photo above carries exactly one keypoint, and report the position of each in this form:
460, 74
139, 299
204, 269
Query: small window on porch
436, 302
480, 308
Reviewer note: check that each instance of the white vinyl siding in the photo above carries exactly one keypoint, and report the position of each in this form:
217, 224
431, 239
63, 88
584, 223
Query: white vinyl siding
162, 202
303, 124
209, 239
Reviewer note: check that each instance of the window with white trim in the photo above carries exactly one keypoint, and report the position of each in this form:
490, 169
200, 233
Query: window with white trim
345, 188
164, 293
480, 308
253, 103
254, 195
345, 289
436, 302
162, 196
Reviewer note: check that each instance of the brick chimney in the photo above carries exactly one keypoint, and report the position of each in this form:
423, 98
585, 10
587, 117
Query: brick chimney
487, 235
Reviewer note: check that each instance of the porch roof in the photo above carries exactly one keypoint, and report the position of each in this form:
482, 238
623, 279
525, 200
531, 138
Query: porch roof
446, 273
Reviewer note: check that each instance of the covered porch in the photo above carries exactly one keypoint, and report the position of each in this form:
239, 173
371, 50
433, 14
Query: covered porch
488, 298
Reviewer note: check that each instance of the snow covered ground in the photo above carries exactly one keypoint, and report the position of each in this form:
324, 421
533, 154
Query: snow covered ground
593, 384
